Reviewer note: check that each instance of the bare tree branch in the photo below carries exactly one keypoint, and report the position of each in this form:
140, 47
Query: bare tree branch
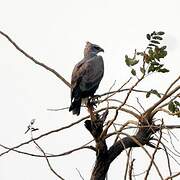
168, 160
173, 176
127, 164
44, 135
50, 155
34, 60
164, 97
49, 164
145, 125
79, 173
153, 155
124, 102
131, 169
170, 113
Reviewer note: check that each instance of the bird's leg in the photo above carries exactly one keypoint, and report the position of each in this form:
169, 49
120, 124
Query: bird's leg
91, 110
96, 96
95, 100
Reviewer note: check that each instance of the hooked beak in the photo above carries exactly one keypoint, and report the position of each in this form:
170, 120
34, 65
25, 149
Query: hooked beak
101, 50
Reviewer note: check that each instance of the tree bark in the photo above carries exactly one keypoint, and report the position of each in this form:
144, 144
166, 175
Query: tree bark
105, 156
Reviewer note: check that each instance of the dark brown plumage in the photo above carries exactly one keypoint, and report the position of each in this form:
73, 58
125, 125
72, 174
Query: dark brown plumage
86, 76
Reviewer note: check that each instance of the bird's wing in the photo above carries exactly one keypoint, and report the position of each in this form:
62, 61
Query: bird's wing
94, 71
87, 75
77, 74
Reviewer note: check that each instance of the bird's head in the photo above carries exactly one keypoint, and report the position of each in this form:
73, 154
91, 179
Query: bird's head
92, 49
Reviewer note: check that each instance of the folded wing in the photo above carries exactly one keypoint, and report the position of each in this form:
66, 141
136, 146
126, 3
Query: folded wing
86, 77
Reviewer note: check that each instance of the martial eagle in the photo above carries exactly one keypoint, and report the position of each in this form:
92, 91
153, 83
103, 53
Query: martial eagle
86, 76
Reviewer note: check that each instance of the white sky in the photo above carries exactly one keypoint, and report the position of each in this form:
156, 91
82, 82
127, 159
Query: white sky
55, 33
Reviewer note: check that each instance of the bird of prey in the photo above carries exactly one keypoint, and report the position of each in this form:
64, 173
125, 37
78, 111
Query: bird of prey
86, 76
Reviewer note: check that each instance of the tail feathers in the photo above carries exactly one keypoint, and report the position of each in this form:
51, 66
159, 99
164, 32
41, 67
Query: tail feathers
75, 106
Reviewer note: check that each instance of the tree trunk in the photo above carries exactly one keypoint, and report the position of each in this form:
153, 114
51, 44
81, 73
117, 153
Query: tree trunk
105, 156
101, 168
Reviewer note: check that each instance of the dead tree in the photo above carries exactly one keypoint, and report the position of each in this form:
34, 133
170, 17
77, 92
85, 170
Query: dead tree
148, 127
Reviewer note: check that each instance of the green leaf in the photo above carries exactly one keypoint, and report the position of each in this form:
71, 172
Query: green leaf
140, 53
162, 53
127, 60
154, 33
134, 62
177, 103
157, 37
152, 45
149, 47
172, 107
164, 70
150, 52
148, 94
152, 68
130, 62
160, 33
153, 91
133, 72
155, 42
155, 63
148, 36
163, 47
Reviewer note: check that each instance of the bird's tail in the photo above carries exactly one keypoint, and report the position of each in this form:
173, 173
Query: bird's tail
75, 106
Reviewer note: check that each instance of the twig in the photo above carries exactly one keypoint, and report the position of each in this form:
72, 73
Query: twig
57, 109
153, 155
65, 127
173, 154
50, 155
122, 128
116, 100
126, 89
131, 169
34, 60
127, 164
140, 104
172, 84
47, 160
140, 145
124, 102
170, 177
79, 173
168, 160
112, 94
110, 107
152, 111
44, 135
163, 105
31, 130
135, 123
171, 140
168, 112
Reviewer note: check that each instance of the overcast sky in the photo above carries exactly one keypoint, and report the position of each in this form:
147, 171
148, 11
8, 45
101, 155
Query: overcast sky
55, 32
